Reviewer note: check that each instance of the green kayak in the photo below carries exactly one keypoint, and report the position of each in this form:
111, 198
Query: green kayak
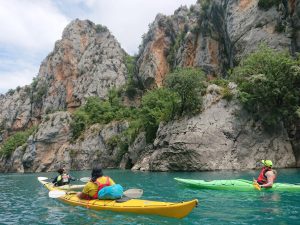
235, 185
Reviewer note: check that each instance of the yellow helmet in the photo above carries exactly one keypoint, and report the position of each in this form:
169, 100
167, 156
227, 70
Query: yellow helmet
267, 163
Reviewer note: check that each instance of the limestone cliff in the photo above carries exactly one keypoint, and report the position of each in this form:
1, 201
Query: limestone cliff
223, 136
87, 61
213, 35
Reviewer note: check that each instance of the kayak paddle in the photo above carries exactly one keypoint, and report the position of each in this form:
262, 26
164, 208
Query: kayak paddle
57, 193
130, 193
133, 193
256, 185
42, 178
85, 179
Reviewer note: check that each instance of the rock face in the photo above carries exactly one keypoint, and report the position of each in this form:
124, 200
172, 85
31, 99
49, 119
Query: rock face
215, 35
222, 137
44, 149
87, 61
95, 147
51, 147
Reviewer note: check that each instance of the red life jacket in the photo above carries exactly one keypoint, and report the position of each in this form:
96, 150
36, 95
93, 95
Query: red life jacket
100, 186
262, 178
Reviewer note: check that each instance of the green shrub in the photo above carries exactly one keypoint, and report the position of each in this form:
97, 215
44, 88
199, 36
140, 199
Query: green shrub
171, 58
227, 94
123, 148
99, 111
100, 28
14, 141
188, 83
130, 65
269, 84
114, 98
130, 88
11, 91
220, 82
79, 122
113, 141
38, 91
158, 105
133, 130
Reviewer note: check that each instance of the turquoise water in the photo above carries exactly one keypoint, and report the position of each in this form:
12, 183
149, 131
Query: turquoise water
24, 201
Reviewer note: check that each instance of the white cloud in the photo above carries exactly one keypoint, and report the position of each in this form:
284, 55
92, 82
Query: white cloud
17, 77
28, 30
30, 25
129, 20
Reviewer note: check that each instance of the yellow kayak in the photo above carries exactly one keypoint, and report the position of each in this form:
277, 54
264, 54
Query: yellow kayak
138, 206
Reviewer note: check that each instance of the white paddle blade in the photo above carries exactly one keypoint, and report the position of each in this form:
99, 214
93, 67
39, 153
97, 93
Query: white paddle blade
133, 193
85, 179
42, 178
56, 193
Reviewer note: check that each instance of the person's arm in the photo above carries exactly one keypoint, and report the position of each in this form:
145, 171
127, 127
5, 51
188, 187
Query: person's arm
83, 196
87, 190
270, 177
72, 178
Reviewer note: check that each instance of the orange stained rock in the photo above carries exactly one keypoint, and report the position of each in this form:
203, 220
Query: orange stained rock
213, 48
19, 122
158, 47
83, 43
246, 4
191, 47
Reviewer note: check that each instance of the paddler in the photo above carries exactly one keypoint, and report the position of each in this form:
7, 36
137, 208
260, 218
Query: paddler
63, 178
97, 182
267, 175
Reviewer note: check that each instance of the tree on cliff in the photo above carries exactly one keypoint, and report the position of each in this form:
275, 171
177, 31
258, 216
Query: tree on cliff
188, 83
157, 105
269, 83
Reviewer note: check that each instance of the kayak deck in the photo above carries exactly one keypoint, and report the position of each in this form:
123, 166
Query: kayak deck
238, 184
138, 206
69, 187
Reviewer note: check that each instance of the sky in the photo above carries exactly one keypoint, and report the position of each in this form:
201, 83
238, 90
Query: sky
29, 29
